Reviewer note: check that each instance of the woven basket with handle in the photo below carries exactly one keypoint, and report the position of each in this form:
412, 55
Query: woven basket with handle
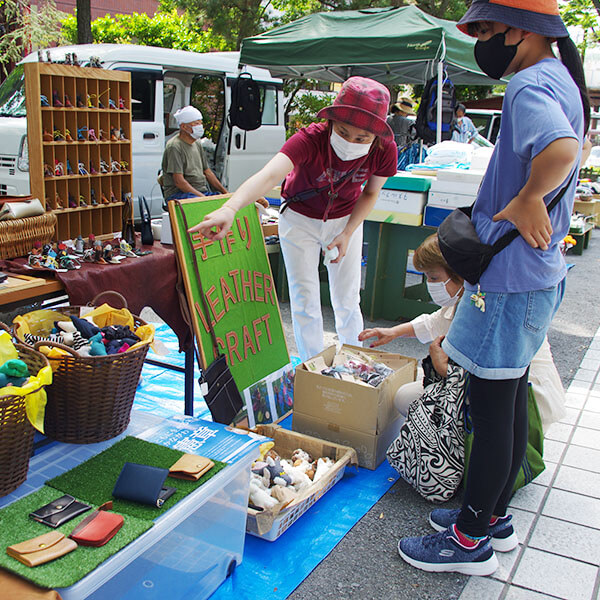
17, 235
16, 432
90, 398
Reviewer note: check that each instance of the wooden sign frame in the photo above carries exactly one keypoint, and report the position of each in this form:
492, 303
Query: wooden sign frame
240, 291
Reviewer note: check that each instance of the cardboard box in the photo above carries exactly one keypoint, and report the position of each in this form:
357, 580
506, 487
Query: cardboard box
434, 215
450, 200
454, 187
399, 206
334, 409
588, 208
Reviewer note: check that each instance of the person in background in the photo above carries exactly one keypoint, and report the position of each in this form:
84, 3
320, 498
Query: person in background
399, 123
333, 172
501, 322
185, 170
464, 129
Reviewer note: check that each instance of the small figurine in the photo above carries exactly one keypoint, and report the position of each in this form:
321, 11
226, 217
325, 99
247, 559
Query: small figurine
107, 254
90, 242
98, 252
79, 244
34, 259
126, 249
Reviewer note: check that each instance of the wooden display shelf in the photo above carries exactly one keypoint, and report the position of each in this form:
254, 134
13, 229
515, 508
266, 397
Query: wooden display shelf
87, 83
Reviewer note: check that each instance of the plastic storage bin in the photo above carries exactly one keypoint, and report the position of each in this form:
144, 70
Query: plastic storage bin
195, 545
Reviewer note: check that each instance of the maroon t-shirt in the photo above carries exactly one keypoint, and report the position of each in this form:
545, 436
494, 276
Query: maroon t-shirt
308, 149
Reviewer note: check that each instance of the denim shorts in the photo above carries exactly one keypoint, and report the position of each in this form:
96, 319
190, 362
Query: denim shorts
501, 342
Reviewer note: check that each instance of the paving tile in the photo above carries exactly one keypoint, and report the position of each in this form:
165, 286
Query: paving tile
580, 387
482, 587
592, 354
559, 432
567, 539
529, 497
506, 563
582, 458
575, 400
519, 593
545, 477
571, 416
592, 404
522, 522
545, 572
583, 436
589, 419
553, 450
573, 508
590, 364
577, 481
585, 375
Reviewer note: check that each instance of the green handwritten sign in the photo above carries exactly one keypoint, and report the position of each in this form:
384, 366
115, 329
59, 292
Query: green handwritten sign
239, 289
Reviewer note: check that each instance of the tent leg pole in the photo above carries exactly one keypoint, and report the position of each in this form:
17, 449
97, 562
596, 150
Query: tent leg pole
440, 82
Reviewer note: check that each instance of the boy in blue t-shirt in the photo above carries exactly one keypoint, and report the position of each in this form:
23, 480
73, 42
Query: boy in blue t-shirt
499, 326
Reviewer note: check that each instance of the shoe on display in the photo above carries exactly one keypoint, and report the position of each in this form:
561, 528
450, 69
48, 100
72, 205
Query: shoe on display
47, 137
80, 134
68, 102
504, 538
56, 100
122, 136
111, 104
92, 135
443, 552
69, 170
93, 197
48, 172
58, 201
68, 137
59, 136
79, 102
44, 100
122, 104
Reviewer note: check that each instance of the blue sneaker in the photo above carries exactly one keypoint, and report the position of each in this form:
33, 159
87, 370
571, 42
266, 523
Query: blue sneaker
443, 552
504, 538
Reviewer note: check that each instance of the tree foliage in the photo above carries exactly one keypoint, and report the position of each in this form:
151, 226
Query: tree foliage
165, 29
23, 28
583, 14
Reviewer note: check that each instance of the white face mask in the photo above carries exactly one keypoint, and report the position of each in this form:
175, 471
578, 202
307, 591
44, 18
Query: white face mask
197, 132
439, 294
347, 150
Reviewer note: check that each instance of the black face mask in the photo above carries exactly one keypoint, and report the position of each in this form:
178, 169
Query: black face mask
493, 56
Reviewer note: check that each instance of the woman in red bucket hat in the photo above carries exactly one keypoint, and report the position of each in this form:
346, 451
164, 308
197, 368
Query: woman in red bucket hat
500, 323
333, 172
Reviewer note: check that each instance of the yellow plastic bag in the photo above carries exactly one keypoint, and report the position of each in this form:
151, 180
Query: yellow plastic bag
35, 396
146, 335
37, 322
7, 348
54, 355
106, 315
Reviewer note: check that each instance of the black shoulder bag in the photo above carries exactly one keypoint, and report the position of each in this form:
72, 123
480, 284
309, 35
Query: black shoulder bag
222, 397
145, 216
461, 247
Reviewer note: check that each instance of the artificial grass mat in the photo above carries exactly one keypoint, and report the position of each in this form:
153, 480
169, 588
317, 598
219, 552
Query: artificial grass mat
93, 480
16, 527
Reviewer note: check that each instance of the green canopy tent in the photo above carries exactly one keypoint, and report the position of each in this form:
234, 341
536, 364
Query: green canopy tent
391, 45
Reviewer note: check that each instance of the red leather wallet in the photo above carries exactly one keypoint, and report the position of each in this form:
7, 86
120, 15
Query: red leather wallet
98, 528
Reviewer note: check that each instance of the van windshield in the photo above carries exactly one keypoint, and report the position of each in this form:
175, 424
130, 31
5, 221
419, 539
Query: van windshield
12, 94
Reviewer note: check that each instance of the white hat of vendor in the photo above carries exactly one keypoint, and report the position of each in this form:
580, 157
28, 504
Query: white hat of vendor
187, 114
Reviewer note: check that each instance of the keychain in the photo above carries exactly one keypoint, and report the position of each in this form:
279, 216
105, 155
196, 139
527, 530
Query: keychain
478, 299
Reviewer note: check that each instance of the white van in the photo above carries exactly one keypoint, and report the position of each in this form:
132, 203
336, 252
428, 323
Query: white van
162, 81
486, 121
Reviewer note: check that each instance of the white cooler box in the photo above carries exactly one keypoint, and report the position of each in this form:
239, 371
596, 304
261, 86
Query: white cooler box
399, 206
195, 545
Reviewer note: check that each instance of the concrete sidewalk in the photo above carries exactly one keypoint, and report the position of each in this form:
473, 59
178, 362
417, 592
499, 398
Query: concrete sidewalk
557, 516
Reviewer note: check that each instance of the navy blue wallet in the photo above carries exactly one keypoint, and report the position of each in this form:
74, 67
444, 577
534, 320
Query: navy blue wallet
143, 484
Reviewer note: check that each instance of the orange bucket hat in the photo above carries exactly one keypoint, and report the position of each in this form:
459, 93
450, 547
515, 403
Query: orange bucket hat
536, 16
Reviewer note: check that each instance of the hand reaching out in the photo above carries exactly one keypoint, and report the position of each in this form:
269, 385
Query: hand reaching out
216, 224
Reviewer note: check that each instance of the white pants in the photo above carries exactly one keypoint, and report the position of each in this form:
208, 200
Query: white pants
302, 240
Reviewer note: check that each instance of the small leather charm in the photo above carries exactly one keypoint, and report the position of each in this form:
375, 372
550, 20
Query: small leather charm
42, 549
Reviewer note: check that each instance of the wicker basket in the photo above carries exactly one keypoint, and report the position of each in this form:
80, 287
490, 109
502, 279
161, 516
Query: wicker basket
17, 235
90, 398
16, 432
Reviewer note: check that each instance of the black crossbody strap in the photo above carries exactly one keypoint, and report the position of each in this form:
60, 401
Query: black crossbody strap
197, 272
507, 238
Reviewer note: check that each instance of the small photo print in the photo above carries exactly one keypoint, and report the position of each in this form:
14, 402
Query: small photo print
283, 392
260, 407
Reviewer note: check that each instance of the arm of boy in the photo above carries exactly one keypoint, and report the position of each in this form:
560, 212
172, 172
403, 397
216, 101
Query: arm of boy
385, 335
361, 210
216, 224
527, 211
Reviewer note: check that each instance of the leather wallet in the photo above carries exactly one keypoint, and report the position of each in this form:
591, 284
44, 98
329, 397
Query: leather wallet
42, 549
191, 467
98, 528
143, 484
59, 511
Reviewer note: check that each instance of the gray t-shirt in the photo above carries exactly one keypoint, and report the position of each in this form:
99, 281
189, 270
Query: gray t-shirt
400, 126
188, 159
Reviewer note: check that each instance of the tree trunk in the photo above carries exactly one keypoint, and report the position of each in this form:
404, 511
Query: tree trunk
84, 22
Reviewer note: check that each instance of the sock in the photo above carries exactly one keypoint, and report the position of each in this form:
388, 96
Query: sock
466, 540
494, 520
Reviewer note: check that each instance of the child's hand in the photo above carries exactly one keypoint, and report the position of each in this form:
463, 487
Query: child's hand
383, 335
439, 359
530, 216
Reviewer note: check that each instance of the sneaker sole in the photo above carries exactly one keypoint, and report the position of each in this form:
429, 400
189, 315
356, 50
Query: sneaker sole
498, 544
483, 568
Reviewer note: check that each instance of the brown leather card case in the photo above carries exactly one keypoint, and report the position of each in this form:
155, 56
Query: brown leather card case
42, 549
191, 467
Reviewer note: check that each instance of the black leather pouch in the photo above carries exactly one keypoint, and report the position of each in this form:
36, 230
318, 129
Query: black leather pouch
147, 237
59, 511
220, 392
